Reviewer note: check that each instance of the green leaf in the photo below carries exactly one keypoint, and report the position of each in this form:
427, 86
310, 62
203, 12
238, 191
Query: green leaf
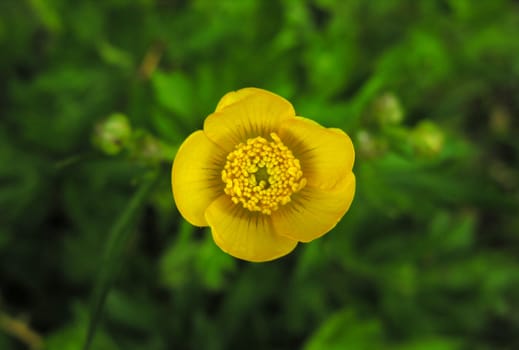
175, 92
431, 344
345, 330
70, 336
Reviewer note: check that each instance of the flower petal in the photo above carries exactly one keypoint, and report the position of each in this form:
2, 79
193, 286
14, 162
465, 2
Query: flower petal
195, 177
326, 155
236, 96
246, 113
243, 234
313, 211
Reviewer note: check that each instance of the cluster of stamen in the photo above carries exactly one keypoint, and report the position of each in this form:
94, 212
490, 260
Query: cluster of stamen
262, 174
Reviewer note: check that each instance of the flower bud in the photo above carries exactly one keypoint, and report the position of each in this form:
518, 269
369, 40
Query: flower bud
148, 149
427, 138
112, 134
368, 145
387, 110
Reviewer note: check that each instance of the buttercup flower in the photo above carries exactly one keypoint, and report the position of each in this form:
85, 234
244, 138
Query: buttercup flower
262, 178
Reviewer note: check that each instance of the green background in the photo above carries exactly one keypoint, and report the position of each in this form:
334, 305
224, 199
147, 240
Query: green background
95, 96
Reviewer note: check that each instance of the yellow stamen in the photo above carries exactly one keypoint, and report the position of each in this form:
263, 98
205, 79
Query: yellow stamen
262, 174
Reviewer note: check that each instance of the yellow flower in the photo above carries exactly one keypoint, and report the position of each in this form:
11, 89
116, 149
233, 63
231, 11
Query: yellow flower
262, 178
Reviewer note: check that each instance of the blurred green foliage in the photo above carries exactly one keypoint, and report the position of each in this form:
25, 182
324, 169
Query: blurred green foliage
95, 95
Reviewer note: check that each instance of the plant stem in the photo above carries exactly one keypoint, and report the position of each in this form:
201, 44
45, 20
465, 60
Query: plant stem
117, 238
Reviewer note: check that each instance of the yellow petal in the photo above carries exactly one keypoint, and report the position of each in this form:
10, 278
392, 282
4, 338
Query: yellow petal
235, 96
245, 235
246, 113
313, 212
196, 177
326, 155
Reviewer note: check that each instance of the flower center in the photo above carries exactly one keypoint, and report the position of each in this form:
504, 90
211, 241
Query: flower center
262, 174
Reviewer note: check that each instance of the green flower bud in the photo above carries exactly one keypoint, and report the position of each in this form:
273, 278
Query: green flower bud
112, 134
387, 110
427, 138
148, 149
368, 145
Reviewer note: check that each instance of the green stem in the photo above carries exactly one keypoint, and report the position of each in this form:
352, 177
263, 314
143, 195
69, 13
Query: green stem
119, 234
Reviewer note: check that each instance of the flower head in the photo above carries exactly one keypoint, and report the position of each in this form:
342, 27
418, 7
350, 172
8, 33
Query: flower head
262, 178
